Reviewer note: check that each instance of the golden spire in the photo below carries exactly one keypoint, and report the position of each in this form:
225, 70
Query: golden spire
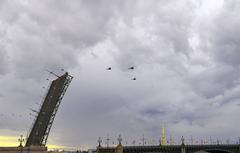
163, 136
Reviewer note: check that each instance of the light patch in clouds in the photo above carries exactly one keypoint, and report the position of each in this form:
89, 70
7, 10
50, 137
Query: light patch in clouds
8, 141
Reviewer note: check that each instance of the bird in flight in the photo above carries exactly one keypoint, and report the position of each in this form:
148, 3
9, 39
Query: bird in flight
134, 78
131, 68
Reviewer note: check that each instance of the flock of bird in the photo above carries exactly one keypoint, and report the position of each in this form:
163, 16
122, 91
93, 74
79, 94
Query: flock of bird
130, 68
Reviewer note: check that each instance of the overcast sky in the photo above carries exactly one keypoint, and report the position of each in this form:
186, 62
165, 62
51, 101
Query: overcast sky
186, 55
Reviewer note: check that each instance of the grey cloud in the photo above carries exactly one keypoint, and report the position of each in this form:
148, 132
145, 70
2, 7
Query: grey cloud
3, 63
215, 81
3, 53
10, 11
184, 86
224, 35
79, 23
142, 37
153, 112
219, 41
158, 43
218, 35
51, 35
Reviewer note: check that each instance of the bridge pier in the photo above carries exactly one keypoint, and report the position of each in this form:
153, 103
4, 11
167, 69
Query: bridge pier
183, 149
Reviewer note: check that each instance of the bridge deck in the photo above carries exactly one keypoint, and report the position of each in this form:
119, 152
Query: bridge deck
178, 148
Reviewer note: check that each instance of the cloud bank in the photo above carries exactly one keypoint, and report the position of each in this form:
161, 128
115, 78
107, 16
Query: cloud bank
185, 55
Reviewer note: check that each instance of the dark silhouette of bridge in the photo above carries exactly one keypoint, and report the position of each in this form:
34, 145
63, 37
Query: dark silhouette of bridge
183, 149
216, 148
44, 119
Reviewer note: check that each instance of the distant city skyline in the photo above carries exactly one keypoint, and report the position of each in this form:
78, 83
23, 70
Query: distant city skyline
172, 62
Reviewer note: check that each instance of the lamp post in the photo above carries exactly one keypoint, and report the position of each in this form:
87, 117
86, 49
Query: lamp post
108, 139
143, 140
99, 141
183, 150
120, 139
21, 140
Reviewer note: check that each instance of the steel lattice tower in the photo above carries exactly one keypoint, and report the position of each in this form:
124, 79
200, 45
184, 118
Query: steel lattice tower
44, 120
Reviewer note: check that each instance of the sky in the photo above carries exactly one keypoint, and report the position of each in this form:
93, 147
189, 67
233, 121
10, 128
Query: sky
185, 54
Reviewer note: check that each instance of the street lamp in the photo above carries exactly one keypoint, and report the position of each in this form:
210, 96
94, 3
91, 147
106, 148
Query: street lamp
99, 141
21, 140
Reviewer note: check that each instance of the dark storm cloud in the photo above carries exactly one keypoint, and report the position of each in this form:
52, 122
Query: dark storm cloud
50, 35
153, 112
75, 23
215, 81
142, 37
3, 63
225, 41
220, 42
3, 56
26, 43
185, 76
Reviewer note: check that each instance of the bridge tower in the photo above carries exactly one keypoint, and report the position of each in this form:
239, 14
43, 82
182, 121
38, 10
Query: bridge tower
44, 120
